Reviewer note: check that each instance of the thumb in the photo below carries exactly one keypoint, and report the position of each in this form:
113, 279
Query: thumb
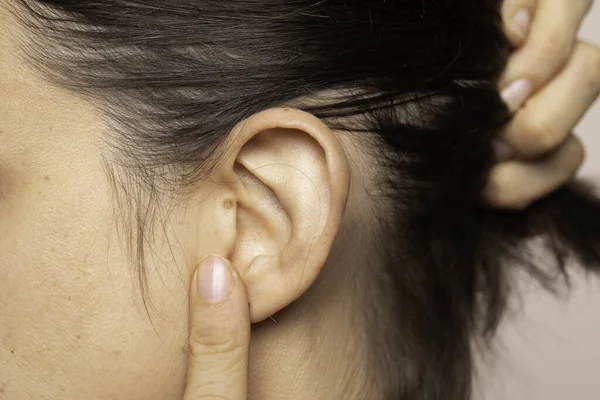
219, 333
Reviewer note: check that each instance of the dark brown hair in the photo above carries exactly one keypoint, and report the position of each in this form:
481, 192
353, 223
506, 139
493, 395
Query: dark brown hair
420, 75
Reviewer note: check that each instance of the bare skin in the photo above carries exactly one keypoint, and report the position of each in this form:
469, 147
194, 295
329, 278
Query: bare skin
71, 325
563, 74
543, 154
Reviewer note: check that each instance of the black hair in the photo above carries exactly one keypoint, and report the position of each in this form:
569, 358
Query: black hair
421, 77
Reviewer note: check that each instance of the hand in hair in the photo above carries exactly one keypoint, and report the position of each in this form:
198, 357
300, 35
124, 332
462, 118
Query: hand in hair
219, 333
558, 76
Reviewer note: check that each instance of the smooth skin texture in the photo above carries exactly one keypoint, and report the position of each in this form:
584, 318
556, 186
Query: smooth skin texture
548, 156
73, 323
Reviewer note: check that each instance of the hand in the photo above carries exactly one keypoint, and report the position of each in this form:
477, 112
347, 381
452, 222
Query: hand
219, 334
559, 76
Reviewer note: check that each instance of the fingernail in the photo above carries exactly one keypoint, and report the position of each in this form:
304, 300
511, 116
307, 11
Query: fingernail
521, 22
516, 93
213, 279
502, 151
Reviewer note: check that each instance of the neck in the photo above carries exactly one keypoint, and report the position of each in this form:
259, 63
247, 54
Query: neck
317, 349
308, 355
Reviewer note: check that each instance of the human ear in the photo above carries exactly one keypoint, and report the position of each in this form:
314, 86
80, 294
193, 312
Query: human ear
287, 179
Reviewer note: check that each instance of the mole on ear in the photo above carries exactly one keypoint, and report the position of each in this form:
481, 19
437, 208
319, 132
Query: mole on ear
228, 204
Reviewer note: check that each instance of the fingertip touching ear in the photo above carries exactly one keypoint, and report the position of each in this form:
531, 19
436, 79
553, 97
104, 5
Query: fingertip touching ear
282, 190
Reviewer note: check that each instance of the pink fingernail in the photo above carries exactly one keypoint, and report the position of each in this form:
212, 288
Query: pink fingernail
502, 150
521, 22
516, 93
213, 279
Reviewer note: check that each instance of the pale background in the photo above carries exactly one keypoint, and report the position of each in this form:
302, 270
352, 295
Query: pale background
550, 348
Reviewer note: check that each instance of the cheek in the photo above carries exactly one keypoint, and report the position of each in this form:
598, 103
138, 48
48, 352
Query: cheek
72, 316
72, 323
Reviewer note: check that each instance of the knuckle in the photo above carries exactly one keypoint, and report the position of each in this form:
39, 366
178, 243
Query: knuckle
556, 48
213, 342
592, 58
540, 134
216, 370
500, 191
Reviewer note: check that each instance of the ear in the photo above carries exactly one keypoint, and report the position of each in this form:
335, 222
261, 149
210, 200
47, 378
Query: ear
289, 176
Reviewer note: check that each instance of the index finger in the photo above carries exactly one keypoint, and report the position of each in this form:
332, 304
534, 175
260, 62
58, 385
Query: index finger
549, 43
219, 333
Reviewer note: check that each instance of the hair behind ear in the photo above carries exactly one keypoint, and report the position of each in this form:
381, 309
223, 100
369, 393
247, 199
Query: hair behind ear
568, 222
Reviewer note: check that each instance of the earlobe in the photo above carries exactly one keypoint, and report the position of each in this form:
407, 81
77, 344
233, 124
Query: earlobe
292, 182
